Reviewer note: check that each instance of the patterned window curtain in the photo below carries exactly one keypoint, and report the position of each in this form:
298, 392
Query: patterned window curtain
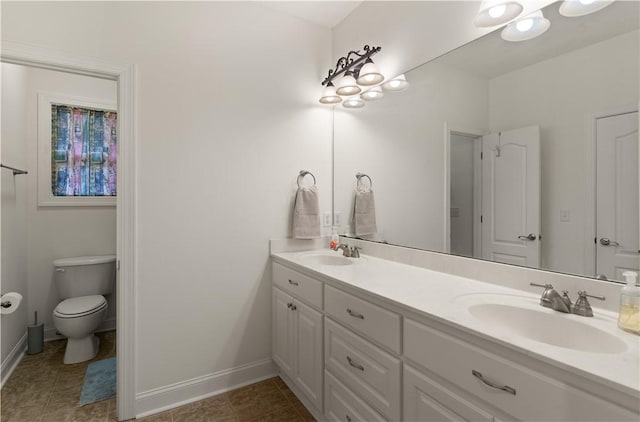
83, 151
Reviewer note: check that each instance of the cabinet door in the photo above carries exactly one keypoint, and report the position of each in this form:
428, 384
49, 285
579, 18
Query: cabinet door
283, 331
428, 401
308, 352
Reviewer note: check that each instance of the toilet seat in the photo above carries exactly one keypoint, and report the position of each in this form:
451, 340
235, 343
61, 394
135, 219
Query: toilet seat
76, 307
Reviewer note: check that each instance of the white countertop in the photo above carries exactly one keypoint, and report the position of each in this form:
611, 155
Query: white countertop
447, 298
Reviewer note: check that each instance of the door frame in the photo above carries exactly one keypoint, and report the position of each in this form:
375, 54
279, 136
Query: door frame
453, 129
125, 77
590, 249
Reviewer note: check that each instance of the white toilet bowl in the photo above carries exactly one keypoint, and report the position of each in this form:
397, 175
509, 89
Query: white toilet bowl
77, 318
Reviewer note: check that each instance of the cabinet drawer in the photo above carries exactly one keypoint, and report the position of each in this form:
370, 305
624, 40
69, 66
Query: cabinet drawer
299, 285
373, 321
534, 396
341, 405
370, 372
427, 401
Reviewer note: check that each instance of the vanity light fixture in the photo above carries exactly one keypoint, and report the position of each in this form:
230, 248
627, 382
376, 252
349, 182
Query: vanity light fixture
497, 12
575, 8
355, 65
399, 83
372, 94
347, 85
526, 28
329, 95
353, 102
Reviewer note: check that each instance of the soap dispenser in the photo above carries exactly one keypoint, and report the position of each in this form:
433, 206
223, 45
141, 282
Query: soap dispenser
335, 239
629, 318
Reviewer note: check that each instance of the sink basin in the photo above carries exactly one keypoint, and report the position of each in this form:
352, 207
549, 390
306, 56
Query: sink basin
320, 259
523, 317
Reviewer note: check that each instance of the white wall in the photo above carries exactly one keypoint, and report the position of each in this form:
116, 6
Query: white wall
227, 116
600, 78
60, 232
13, 274
399, 142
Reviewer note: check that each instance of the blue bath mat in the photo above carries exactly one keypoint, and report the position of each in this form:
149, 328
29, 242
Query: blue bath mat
99, 381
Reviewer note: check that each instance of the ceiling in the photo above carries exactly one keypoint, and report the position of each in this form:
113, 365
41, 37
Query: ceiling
324, 13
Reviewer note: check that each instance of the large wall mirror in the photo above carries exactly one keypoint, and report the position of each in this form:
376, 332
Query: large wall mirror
523, 153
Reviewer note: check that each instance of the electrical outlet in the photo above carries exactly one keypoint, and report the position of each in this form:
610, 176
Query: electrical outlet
337, 219
565, 215
326, 219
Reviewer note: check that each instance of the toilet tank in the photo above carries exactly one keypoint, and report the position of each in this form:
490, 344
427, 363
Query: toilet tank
85, 275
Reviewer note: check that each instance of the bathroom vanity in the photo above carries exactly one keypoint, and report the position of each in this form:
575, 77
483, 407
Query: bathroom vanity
373, 339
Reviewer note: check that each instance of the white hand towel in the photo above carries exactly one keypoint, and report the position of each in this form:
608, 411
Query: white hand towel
306, 214
364, 213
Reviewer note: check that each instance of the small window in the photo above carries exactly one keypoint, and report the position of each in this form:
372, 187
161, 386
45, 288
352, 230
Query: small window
78, 152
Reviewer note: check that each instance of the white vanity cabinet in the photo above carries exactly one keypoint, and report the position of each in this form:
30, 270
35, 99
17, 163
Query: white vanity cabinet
297, 344
361, 357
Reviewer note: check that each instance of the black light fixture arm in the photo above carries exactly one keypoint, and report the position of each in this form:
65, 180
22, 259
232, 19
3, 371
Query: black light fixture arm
345, 64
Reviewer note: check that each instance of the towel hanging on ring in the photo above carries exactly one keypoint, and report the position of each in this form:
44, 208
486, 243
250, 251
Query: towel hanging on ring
364, 208
306, 210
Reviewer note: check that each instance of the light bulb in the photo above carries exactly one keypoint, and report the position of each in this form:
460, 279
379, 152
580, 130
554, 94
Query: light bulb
524, 25
353, 102
586, 2
329, 95
374, 93
398, 83
497, 11
347, 85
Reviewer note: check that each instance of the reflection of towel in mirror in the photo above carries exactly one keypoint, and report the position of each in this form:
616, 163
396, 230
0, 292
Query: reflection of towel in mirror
364, 213
306, 214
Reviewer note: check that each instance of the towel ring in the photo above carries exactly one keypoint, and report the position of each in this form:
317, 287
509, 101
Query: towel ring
359, 177
302, 174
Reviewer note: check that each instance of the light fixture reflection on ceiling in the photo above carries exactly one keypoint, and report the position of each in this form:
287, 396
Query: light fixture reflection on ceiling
353, 102
497, 12
372, 94
526, 28
575, 8
399, 83
329, 95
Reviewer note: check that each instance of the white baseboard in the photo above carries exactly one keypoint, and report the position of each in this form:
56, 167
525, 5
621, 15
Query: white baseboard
52, 334
12, 361
181, 393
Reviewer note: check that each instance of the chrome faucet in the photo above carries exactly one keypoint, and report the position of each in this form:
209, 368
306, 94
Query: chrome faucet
551, 299
348, 251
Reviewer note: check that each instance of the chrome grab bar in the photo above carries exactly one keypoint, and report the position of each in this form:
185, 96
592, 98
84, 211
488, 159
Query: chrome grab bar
355, 314
506, 388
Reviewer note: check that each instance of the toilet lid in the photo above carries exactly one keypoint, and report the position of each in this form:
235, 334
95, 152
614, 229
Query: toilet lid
78, 306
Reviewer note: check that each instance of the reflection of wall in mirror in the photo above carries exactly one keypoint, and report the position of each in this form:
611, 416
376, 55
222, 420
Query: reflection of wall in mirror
399, 142
576, 85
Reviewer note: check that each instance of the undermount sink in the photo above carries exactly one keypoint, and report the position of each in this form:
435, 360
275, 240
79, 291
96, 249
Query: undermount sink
519, 318
321, 259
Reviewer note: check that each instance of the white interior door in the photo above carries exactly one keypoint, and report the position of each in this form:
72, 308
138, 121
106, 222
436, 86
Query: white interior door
511, 197
617, 195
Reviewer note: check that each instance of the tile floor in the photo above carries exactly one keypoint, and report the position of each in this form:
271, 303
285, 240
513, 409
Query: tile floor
43, 389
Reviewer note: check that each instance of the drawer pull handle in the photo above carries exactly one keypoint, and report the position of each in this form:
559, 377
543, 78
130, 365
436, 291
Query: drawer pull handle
355, 314
295, 283
506, 388
355, 365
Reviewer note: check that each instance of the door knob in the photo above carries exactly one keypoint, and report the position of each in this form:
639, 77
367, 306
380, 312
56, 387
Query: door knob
530, 237
606, 242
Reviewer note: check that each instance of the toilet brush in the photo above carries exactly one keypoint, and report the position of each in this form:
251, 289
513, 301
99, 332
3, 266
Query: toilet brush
35, 337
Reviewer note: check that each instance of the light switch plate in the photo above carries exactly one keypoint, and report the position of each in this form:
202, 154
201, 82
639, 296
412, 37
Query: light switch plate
565, 215
337, 219
326, 219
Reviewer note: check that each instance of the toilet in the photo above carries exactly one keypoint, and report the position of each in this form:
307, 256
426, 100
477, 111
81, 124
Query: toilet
82, 282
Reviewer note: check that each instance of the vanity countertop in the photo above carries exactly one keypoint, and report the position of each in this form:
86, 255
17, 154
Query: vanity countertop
446, 297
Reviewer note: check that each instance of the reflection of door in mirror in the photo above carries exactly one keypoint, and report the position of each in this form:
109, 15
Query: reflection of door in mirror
511, 196
617, 195
465, 179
